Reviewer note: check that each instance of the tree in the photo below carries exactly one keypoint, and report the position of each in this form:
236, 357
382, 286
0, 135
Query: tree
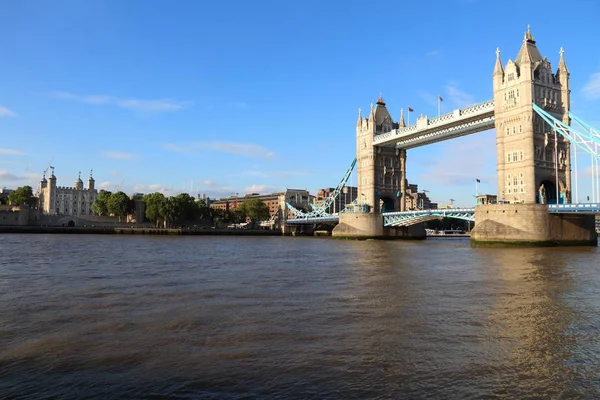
100, 205
119, 205
22, 196
254, 209
156, 207
183, 208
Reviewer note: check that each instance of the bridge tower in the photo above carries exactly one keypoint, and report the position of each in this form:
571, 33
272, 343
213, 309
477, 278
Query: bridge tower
381, 170
534, 164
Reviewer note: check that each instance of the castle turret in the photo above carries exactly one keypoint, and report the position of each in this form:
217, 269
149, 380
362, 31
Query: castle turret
91, 182
401, 123
78, 183
51, 197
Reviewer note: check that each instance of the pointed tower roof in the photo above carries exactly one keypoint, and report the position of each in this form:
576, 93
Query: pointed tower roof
91, 178
562, 65
498, 69
401, 123
381, 113
529, 51
360, 117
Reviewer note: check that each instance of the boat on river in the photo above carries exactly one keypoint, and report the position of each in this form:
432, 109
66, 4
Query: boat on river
446, 233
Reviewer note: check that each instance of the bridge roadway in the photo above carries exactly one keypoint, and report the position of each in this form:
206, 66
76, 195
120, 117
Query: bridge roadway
459, 122
405, 218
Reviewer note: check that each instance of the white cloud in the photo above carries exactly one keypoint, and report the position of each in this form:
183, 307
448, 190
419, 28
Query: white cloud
131, 104
5, 112
11, 152
431, 53
6, 175
241, 149
274, 174
262, 189
173, 147
455, 168
118, 155
457, 97
591, 89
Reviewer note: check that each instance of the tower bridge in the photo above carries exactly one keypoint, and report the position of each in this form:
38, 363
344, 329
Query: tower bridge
530, 111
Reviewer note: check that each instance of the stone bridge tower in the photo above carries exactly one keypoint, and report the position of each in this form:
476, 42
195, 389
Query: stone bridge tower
381, 170
534, 164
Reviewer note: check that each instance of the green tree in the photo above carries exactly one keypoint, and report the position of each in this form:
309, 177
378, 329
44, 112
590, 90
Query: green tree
119, 205
204, 211
254, 209
22, 196
100, 205
156, 207
183, 208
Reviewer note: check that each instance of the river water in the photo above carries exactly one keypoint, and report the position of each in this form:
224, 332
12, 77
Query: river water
147, 317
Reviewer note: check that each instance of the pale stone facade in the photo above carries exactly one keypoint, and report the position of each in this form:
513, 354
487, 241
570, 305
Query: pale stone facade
381, 170
71, 201
528, 154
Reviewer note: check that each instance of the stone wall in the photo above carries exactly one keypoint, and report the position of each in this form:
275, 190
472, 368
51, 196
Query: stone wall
10, 215
531, 224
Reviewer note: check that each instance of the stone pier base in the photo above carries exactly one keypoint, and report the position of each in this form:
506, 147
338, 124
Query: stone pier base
370, 226
531, 225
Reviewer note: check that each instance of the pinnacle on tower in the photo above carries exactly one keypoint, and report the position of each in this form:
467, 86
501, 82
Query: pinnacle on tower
498, 69
360, 117
401, 123
380, 100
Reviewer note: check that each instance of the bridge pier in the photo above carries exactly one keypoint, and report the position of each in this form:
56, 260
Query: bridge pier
370, 226
531, 225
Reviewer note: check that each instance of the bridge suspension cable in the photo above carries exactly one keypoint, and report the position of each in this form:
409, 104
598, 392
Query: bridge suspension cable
586, 139
322, 209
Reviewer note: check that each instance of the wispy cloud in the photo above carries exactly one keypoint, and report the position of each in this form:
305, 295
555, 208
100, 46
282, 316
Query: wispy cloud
6, 175
274, 174
458, 97
11, 152
118, 155
261, 189
173, 147
458, 164
5, 112
591, 89
241, 149
162, 105
431, 53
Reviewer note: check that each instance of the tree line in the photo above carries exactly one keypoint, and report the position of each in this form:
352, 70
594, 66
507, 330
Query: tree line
161, 210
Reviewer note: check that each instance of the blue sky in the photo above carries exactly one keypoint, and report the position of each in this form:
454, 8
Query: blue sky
256, 96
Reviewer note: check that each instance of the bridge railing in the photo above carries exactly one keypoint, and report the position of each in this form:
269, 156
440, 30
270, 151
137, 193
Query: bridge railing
455, 115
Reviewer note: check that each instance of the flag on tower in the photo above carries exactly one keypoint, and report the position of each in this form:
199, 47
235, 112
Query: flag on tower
440, 98
478, 181
410, 109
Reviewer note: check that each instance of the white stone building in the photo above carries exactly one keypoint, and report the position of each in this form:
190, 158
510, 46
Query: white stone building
61, 200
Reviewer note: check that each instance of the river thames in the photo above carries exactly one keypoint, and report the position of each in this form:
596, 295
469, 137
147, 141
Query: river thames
148, 317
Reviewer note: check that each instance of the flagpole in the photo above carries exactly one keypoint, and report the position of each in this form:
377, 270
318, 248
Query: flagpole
408, 117
439, 105
476, 191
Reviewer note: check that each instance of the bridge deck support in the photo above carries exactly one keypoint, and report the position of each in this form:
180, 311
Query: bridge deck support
370, 226
531, 225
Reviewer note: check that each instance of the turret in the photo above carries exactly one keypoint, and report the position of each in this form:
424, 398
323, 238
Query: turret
498, 70
78, 183
91, 182
562, 78
401, 123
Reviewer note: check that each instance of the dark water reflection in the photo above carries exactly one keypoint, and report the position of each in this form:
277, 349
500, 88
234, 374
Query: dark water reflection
227, 318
